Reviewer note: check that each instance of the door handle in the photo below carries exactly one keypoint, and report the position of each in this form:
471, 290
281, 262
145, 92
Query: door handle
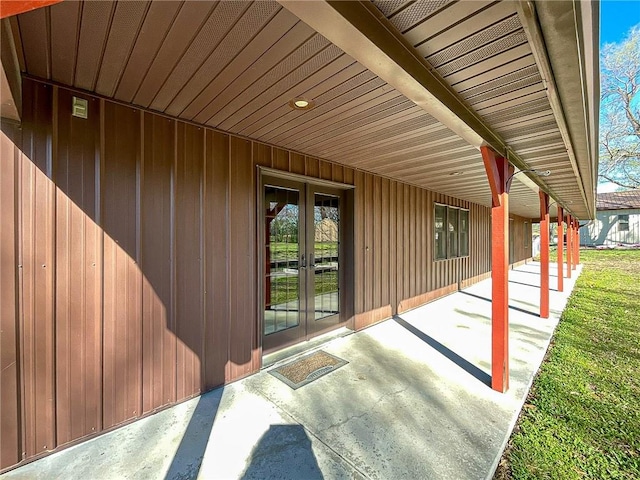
302, 264
312, 264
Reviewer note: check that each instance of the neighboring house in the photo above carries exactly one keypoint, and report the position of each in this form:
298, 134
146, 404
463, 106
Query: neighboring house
535, 251
617, 220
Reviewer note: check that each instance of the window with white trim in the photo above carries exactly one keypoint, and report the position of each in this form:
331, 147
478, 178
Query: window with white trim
623, 223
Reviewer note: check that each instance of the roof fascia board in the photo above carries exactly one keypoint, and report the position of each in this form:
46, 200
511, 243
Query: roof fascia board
569, 29
529, 20
362, 32
588, 36
589, 22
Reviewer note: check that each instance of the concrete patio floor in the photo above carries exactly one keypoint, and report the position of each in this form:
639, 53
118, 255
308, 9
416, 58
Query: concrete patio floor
413, 402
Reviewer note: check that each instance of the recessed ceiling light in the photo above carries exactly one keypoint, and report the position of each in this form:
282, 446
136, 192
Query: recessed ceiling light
455, 174
301, 103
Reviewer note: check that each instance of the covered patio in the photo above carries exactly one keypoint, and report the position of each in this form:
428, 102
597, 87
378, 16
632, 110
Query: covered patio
413, 402
166, 167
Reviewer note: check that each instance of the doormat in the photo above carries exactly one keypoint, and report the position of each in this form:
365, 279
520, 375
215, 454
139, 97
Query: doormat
307, 369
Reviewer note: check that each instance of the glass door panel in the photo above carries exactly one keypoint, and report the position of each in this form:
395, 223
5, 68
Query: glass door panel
326, 256
284, 242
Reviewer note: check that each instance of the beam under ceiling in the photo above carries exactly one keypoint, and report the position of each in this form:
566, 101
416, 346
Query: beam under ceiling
15, 7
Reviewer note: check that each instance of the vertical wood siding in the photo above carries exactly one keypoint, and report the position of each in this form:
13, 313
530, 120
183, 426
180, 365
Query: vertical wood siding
10, 405
189, 289
394, 262
242, 284
156, 247
36, 237
129, 275
521, 239
122, 291
78, 324
216, 259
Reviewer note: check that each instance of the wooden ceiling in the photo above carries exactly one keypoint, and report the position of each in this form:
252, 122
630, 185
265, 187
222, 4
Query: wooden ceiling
235, 66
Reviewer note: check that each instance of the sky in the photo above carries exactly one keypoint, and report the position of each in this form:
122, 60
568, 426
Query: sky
616, 18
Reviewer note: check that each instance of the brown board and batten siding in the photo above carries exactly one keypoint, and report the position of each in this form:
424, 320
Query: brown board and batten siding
130, 264
78, 273
122, 284
521, 237
11, 438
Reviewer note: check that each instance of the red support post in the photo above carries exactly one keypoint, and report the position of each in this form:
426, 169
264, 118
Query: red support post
499, 173
560, 250
569, 242
544, 254
576, 243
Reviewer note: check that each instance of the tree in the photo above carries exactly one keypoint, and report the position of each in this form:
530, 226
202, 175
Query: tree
620, 112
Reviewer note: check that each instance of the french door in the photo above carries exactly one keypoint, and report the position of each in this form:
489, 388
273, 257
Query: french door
301, 252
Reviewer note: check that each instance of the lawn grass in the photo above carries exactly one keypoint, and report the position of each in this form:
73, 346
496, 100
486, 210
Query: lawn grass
582, 416
282, 251
285, 289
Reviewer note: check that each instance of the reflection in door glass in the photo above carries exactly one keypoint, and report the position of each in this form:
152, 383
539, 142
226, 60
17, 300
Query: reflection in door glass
326, 213
282, 286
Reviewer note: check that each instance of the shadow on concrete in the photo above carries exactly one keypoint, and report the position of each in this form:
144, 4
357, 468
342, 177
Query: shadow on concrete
533, 273
475, 316
188, 458
511, 307
463, 363
283, 452
525, 284
531, 285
